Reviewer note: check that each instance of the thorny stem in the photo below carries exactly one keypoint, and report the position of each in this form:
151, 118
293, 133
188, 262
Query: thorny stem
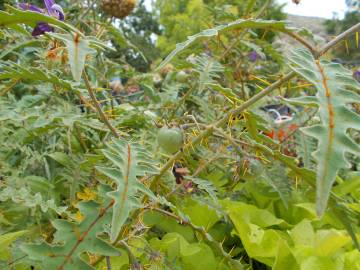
102, 115
301, 40
268, 90
85, 102
210, 128
108, 263
338, 39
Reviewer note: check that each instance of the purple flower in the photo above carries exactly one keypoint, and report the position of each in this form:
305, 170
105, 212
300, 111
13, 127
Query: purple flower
41, 28
253, 56
357, 75
52, 9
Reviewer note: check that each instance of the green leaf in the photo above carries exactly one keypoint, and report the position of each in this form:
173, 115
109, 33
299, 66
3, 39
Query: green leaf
184, 254
25, 198
78, 48
254, 227
73, 239
62, 158
348, 186
11, 70
205, 185
130, 161
236, 25
17, 16
303, 234
285, 259
6, 240
227, 92
165, 224
199, 213
17, 46
332, 82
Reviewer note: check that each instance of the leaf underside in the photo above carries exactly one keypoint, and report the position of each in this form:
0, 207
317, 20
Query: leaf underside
72, 240
129, 161
333, 84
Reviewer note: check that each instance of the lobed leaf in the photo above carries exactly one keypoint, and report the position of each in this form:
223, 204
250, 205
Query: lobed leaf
129, 162
78, 48
73, 239
333, 97
11, 70
236, 25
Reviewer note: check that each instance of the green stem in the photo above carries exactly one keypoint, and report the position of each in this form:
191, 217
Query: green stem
102, 115
209, 129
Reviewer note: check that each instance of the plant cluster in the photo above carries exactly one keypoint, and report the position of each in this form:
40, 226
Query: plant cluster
225, 155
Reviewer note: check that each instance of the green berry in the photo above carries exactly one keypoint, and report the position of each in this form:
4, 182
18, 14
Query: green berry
182, 76
170, 139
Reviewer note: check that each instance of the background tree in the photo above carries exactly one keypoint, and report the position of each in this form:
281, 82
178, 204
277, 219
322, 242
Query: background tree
349, 49
183, 18
140, 29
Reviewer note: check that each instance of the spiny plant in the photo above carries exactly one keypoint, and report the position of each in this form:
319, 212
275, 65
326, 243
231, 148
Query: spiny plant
71, 240
131, 161
102, 194
334, 84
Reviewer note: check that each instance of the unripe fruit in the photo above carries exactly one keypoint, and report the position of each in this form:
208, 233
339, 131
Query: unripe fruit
182, 76
219, 100
170, 139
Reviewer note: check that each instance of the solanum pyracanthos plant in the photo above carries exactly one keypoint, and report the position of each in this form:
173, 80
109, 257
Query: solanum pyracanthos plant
226, 155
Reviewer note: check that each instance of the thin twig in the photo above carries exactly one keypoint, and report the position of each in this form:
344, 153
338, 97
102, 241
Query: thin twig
209, 130
9, 87
268, 90
17, 260
301, 40
338, 39
102, 115
108, 263
242, 35
134, 263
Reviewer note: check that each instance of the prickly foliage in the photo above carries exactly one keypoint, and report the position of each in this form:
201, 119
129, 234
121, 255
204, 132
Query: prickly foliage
129, 161
72, 239
239, 194
334, 85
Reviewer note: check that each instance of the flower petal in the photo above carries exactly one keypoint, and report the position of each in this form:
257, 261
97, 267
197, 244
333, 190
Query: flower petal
58, 11
253, 56
27, 6
49, 4
41, 28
